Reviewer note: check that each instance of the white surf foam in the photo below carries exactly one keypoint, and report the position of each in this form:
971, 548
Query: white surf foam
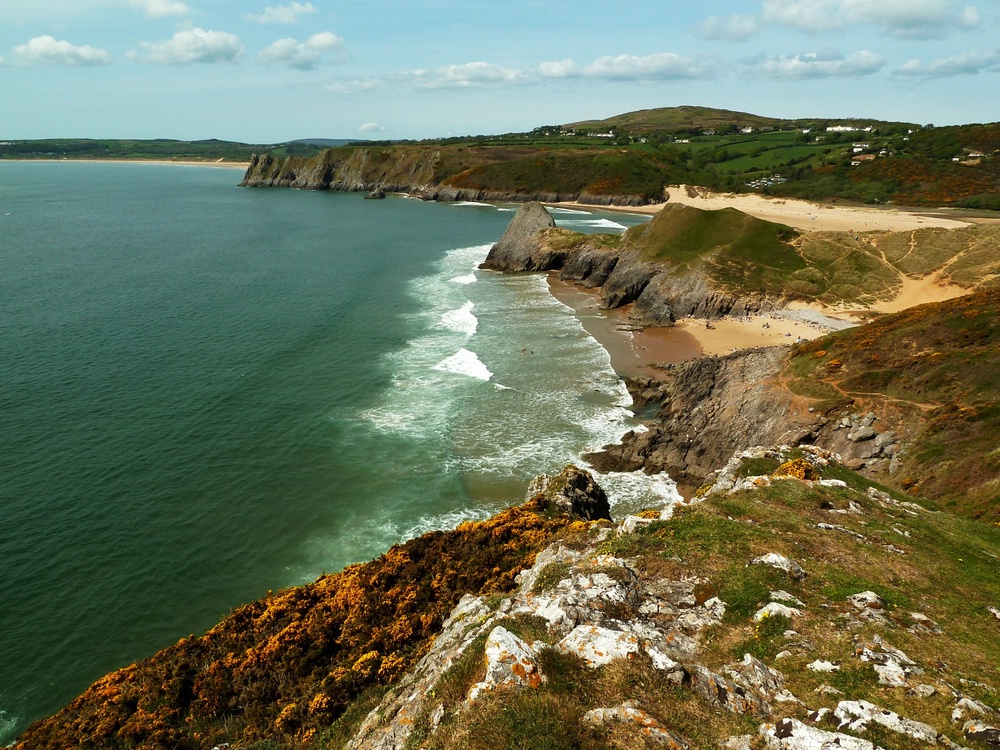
461, 320
555, 210
473, 203
636, 490
464, 362
469, 278
594, 223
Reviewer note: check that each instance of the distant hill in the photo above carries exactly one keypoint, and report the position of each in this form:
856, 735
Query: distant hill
689, 118
676, 118
327, 142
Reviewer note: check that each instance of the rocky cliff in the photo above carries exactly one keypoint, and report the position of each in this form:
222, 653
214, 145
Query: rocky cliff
444, 173
785, 610
793, 605
708, 264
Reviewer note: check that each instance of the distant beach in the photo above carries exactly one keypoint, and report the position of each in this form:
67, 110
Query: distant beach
803, 215
177, 162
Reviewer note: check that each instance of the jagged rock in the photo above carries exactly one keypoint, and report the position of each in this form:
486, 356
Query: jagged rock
627, 713
966, 704
922, 691
696, 619
821, 665
857, 715
885, 439
377, 193
716, 406
389, 725
791, 734
599, 646
866, 600
754, 675
572, 491
825, 689
865, 433
995, 612
510, 663
977, 731
892, 665
725, 694
924, 625
783, 596
521, 248
773, 609
774, 560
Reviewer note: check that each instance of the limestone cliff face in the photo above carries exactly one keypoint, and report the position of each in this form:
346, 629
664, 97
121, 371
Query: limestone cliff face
346, 170
625, 274
423, 171
709, 408
521, 248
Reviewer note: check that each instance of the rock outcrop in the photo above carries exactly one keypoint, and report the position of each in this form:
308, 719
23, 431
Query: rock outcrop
709, 408
521, 247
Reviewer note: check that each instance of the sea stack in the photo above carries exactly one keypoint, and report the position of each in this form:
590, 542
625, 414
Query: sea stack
521, 244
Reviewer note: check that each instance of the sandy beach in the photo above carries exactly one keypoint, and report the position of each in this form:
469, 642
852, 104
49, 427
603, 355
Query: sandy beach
632, 352
803, 215
177, 162
646, 351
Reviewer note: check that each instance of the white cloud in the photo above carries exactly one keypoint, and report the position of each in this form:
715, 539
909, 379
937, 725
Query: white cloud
307, 55
161, 8
371, 127
559, 69
190, 46
913, 19
826, 64
283, 14
48, 50
467, 75
731, 28
658, 67
967, 63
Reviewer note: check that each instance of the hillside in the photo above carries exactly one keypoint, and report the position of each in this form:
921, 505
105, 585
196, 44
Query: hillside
830, 580
631, 158
677, 119
706, 264
794, 602
210, 150
936, 365
286, 667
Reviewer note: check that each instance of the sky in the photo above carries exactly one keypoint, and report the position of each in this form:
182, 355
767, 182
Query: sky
267, 73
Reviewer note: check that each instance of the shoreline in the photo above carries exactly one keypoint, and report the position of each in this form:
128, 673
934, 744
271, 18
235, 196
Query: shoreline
636, 351
800, 214
176, 162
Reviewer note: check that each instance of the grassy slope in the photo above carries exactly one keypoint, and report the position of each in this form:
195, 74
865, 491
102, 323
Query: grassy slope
743, 254
942, 359
917, 561
280, 670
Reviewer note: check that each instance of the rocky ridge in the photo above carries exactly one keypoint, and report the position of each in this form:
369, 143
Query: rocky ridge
605, 604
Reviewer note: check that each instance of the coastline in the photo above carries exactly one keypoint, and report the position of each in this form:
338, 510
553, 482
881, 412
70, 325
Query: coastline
633, 352
800, 214
176, 162
638, 351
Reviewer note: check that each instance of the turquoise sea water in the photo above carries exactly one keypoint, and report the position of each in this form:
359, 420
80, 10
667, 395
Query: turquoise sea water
207, 392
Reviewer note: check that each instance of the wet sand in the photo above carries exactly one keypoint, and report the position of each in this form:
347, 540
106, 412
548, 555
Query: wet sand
636, 351
633, 352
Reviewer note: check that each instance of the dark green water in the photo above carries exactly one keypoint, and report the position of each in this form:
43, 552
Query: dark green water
207, 392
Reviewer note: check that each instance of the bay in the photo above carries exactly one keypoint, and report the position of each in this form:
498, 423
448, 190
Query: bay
209, 392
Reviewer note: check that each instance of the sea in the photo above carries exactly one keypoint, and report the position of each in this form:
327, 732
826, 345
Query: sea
209, 392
